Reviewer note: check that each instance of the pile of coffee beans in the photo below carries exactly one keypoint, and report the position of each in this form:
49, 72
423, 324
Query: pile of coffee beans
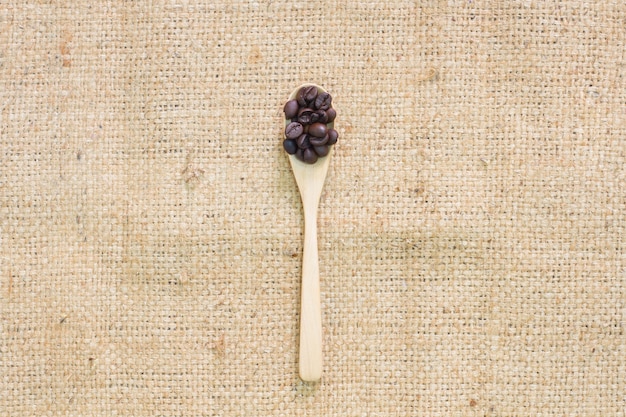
308, 136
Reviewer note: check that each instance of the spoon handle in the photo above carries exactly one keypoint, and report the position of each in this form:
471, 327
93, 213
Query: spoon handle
311, 314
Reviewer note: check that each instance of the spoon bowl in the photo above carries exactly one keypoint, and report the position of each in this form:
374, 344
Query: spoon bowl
310, 179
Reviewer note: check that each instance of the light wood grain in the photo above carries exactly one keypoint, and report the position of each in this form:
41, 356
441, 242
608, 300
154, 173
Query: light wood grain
310, 179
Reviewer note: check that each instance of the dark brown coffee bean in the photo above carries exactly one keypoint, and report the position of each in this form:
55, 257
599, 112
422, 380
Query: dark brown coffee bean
321, 150
293, 130
300, 154
323, 101
331, 113
304, 115
332, 136
310, 94
318, 141
291, 109
303, 141
322, 117
307, 95
318, 130
309, 156
305, 110
290, 146
300, 98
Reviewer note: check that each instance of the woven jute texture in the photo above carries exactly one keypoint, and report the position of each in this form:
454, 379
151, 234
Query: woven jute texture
472, 230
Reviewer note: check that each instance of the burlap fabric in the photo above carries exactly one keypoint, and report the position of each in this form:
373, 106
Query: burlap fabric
471, 232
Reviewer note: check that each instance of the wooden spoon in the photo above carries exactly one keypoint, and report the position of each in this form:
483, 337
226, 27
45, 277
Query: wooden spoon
310, 179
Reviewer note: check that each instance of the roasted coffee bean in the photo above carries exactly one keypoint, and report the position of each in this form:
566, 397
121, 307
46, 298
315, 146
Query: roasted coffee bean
331, 114
309, 156
318, 141
304, 115
318, 130
303, 141
291, 109
293, 130
305, 119
305, 110
290, 146
300, 154
307, 95
322, 117
332, 136
323, 101
300, 98
321, 150
310, 94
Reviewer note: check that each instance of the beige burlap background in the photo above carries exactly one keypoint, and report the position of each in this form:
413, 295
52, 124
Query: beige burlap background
472, 228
